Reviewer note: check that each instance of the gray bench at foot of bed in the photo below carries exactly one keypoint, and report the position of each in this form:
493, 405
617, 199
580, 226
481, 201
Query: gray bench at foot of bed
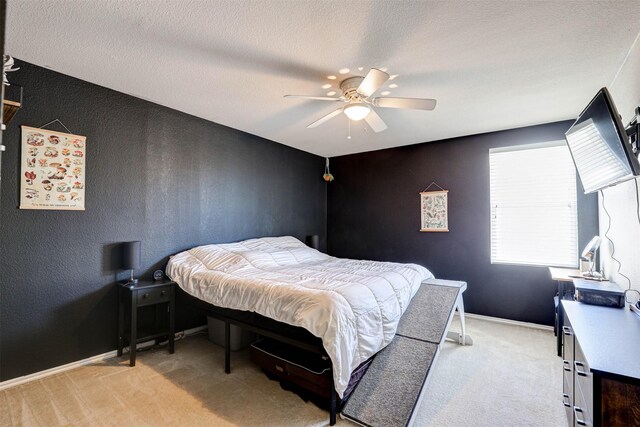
389, 392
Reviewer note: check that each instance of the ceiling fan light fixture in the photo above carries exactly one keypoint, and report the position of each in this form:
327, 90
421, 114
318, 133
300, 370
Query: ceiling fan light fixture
357, 111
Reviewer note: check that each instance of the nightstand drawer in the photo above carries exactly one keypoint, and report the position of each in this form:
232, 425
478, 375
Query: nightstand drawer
153, 296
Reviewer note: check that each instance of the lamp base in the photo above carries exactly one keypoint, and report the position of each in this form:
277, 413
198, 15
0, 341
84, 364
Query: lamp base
132, 281
129, 283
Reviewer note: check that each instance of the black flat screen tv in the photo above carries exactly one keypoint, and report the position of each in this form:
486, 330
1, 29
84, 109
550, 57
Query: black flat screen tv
600, 146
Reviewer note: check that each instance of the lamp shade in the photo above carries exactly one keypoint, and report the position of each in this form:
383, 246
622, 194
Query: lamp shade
313, 241
357, 111
130, 255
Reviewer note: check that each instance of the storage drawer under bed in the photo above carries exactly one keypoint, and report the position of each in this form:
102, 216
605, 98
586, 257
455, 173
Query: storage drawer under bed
308, 370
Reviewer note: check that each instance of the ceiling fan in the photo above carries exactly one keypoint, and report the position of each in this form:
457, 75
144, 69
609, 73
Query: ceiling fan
356, 93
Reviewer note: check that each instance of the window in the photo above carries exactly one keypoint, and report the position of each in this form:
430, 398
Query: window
534, 217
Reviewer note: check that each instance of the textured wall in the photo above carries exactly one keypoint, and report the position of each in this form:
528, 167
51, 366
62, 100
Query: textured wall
153, 174
622, 200
373, 213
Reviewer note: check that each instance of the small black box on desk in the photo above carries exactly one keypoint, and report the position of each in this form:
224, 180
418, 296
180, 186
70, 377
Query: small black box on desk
608, 294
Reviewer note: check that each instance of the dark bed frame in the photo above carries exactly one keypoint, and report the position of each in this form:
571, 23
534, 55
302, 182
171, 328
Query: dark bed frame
266, 327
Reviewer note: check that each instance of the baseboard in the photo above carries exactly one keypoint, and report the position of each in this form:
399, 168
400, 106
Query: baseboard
509, 322
93, 359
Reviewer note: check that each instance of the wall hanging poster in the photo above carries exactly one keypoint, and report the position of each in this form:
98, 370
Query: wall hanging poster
433, 211
52, 173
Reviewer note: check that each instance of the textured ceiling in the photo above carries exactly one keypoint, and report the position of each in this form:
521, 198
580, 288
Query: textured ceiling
491, 64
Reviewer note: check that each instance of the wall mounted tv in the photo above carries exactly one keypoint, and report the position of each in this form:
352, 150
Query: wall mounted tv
600, 146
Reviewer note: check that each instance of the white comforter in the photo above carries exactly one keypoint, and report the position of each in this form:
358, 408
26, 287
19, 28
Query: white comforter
354, 306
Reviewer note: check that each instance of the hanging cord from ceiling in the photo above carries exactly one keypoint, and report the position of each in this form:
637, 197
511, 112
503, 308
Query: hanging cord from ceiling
327, 173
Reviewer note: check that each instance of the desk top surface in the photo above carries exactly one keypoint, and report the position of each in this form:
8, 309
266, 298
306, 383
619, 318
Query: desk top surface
562, 274
609, 337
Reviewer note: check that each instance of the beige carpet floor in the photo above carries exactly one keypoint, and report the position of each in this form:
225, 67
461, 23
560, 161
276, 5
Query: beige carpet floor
509, 377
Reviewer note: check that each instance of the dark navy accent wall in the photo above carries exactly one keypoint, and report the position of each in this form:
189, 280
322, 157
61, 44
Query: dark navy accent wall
374, 213
153, 174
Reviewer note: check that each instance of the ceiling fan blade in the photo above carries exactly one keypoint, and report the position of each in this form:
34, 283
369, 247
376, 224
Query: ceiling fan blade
315, 98
374, 120
372, 82
325, 118
410, 103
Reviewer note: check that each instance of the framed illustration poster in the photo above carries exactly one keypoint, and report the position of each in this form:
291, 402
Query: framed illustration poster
433, 211
52, 173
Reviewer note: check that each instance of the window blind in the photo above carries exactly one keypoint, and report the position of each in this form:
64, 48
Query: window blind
534, 216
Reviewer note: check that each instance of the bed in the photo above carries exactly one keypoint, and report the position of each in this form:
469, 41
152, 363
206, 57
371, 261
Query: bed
353, 306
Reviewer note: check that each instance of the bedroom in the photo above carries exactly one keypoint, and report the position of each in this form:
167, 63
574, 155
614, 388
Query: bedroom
190, 141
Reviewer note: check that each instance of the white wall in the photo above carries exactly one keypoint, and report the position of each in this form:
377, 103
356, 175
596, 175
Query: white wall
620, 200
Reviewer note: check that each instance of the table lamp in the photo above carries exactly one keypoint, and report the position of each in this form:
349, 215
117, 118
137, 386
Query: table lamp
588, 259
131, 259
313, 241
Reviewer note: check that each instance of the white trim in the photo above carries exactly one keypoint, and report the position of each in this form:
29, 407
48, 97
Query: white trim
93, 359
58, 369
533, 146
533, 264
509, 322
194, 330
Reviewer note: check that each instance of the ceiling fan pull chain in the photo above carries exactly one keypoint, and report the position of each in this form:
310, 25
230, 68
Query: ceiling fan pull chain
349, 120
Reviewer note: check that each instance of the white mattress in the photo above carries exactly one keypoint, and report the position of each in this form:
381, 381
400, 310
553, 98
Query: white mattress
354, 306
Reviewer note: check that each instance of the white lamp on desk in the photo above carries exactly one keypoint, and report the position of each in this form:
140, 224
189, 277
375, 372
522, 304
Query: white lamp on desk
588, 259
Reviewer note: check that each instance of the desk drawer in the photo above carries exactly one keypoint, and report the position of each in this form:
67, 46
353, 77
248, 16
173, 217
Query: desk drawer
567, 397
153, 296
583, 379
581, 412
568, 342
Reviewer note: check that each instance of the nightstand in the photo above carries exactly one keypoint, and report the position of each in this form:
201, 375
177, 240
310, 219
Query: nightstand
161, 295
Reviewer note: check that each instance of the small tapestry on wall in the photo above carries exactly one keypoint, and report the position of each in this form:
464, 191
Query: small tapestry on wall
433, 211
52, 173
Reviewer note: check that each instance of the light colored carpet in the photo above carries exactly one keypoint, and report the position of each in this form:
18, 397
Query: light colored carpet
510, 377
